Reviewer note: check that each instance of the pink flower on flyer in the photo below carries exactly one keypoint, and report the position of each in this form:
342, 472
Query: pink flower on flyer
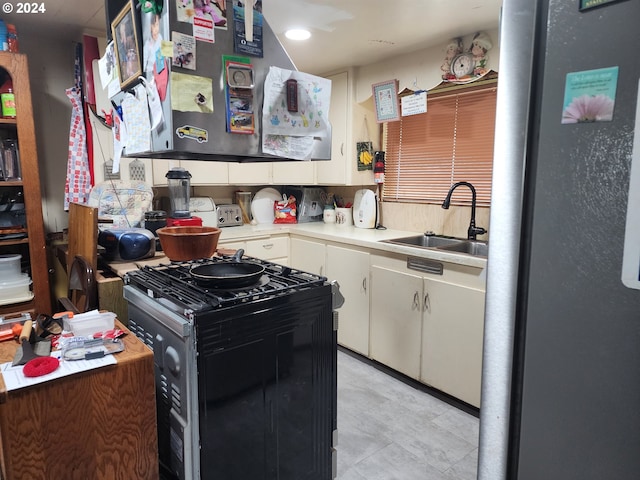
588, 108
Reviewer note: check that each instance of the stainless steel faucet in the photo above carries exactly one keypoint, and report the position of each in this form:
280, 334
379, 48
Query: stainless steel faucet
473, 230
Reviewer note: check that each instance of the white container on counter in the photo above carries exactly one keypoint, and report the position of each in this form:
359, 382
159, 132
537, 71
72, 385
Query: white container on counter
344, 216
329, 214
88, 323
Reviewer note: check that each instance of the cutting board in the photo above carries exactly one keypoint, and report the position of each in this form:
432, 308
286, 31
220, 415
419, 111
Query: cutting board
83, 234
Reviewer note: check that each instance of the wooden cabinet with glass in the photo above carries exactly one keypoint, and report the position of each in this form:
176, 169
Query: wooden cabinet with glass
21, 225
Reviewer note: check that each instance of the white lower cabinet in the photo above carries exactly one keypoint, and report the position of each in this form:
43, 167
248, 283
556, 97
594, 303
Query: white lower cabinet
350, 268
232, 245
429, 326
426, 322
272, 248
275, 249
307, 255
396, 319
452, 334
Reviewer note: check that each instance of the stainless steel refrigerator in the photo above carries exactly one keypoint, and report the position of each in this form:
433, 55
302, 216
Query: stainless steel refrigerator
561, 371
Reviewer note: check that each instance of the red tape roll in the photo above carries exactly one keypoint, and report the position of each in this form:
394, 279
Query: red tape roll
40, 366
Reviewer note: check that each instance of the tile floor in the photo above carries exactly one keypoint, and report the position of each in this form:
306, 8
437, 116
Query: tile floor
390, 430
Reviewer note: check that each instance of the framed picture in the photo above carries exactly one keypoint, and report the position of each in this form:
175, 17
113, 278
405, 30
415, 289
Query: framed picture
127, 50
385, 98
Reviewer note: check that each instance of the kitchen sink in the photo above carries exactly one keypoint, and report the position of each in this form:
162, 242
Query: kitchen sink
472, 247
426, 241
441, 242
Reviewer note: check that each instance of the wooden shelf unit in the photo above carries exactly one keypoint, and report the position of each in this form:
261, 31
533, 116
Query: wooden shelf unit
32, 248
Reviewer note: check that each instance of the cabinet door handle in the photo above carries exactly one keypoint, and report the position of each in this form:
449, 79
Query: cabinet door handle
267, 245
416, 301
364, 284
427, 303
342, 149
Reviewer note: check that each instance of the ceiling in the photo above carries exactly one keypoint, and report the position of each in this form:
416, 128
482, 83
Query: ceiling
344, 33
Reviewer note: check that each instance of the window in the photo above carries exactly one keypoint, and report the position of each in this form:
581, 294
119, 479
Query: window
452, 142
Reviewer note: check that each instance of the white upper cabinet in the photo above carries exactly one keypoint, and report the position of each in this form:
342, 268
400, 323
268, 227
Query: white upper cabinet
294, 172
202, 172
347, 127
254, 173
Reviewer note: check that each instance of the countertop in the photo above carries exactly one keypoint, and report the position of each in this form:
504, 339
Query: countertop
361, 237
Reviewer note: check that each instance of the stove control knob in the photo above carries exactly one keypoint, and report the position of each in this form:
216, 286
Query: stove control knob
172, 360
237, 218
220, 219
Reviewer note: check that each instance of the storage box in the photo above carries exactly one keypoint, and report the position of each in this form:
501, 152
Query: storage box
15, 289
10, 266
9, 325
86, 324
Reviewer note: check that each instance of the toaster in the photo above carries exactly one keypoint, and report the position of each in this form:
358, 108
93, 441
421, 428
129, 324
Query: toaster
127, 245
229, 215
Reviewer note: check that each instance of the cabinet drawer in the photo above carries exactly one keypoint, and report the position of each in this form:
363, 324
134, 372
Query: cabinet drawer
268, 248
232, 245
472, 277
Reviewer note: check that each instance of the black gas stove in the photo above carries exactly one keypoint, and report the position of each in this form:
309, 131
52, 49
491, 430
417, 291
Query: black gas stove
246, 383
174, 282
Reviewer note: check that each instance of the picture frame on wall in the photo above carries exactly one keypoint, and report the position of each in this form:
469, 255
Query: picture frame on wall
385, 98
124, 31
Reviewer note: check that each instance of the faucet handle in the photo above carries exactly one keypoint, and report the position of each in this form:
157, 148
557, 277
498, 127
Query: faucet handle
429, 233
474, 231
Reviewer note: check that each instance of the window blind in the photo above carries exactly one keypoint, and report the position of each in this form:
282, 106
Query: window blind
451, 142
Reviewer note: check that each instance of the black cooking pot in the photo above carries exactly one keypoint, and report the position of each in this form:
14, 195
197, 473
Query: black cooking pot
234, 273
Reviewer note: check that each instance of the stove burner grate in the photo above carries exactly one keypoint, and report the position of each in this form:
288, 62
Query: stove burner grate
173, 282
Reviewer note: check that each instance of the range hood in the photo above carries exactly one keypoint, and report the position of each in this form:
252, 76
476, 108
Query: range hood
174, 138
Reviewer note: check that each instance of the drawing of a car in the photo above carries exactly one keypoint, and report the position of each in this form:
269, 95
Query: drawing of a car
192, 132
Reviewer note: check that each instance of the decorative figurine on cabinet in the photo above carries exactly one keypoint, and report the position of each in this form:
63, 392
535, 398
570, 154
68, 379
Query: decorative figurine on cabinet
480, 45
454, 48
465, 66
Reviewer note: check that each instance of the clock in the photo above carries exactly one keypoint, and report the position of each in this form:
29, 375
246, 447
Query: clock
463, 64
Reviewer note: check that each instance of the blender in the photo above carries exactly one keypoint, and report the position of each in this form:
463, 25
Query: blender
179, 183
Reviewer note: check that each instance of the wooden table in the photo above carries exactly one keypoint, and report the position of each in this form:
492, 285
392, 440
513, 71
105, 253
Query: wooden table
98, 425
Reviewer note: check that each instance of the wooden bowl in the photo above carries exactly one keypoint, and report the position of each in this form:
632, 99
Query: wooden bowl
189, 242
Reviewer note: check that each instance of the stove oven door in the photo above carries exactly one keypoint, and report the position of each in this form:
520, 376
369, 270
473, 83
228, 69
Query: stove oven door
266, 387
